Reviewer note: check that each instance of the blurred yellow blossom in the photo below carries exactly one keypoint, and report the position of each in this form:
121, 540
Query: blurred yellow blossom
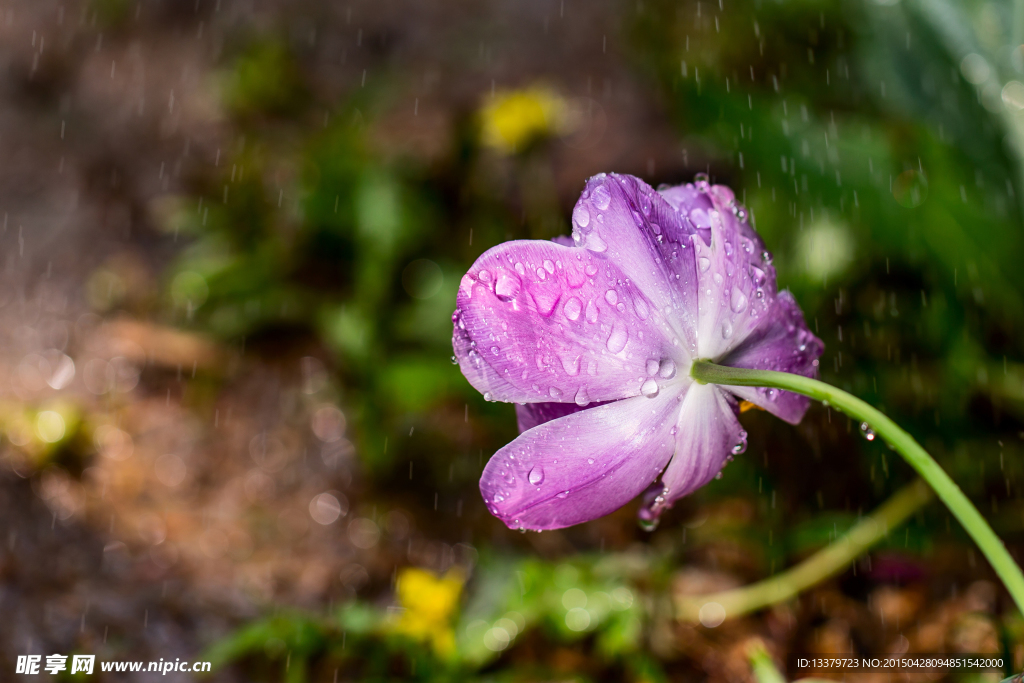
429, 603
512, 120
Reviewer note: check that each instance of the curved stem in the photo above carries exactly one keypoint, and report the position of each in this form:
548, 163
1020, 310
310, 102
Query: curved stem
817, 567
761, 664
901, 441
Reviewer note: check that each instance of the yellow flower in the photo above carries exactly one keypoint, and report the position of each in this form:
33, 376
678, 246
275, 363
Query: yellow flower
429, 604
512, 120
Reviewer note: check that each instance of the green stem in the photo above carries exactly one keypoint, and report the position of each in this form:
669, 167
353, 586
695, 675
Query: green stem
761, 664
946, 489
818, 567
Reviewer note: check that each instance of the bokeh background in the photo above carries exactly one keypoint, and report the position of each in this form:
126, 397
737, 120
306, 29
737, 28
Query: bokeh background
232, 232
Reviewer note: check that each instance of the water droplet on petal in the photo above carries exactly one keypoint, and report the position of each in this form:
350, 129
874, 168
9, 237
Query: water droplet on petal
455, 361
536, 476
738, 301
581, 216
555, 393
563, 495
726, 329
617, 339
484, 276
591, 312
649, 388
545, 300
571, 365
652, 366
667, 369
572, 308
704, 264
648, 524
654, 502
591, 270
549, 266
642, 309
601, 197
507, 286
582, 397
541, 274
520, 268
757, 275
611, 296
741, 445
596, 244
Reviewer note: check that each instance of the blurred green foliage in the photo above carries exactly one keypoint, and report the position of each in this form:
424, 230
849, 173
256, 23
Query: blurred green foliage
264, 80
592, 603
875, 144
111, 13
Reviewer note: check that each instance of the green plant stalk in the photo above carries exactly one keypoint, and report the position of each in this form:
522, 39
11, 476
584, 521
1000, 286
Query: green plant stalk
823, 564
946, 489
761, 664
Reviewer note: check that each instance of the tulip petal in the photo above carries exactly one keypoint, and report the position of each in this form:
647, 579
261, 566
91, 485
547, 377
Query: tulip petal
736, 288
540, 322
529, 415
708, 434
621, 219
744, 321
581, 466
781, 342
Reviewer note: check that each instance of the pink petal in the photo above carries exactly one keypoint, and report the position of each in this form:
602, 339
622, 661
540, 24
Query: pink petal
540, 322
529, 415
736, 287
708, 434
579, 467
743, 320
622, 219
781, 342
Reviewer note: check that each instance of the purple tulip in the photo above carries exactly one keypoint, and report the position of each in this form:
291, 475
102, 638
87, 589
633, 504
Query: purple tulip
593, 340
